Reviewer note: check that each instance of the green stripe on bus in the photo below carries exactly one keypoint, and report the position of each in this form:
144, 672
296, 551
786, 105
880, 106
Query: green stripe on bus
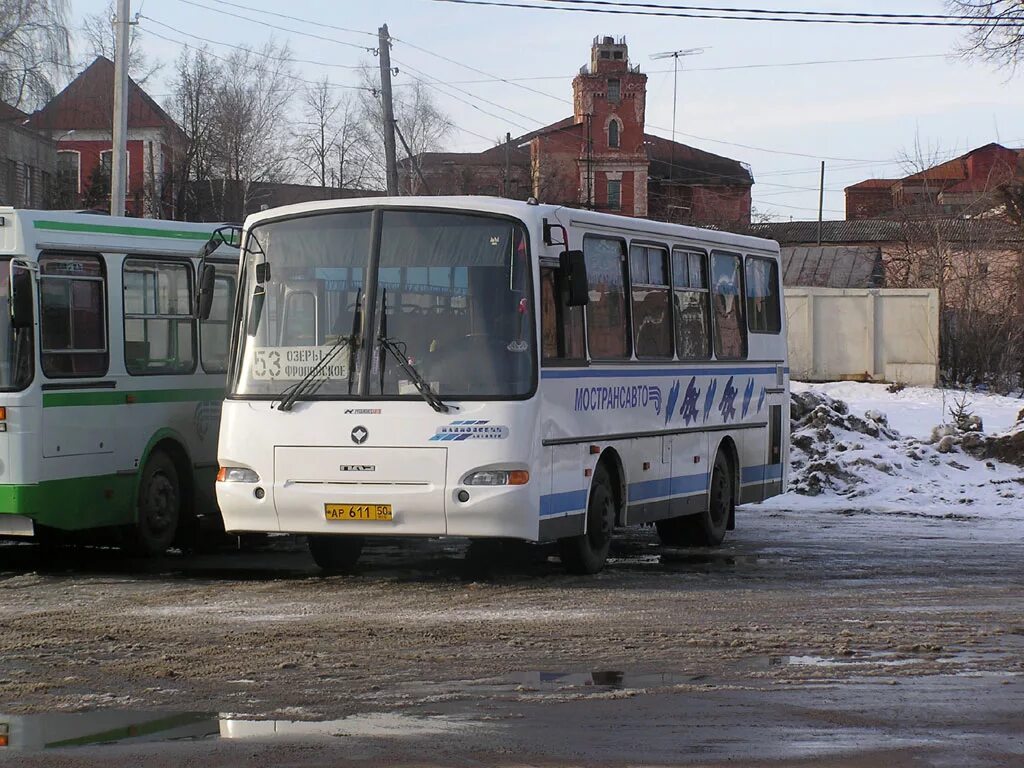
115, 397
164, 723
74, 503
111, 229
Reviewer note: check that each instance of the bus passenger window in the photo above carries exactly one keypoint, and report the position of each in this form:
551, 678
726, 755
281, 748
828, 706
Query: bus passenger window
72, 316
727, 293
607, 319
652, 318
561, 325
159, 329
692, 304
215, 331
763, 310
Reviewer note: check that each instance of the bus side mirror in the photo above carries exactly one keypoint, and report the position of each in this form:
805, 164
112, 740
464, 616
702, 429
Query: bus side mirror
21, 297
206, 278
574, 272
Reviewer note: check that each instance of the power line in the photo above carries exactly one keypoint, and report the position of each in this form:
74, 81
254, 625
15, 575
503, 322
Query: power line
322, 24
625, 9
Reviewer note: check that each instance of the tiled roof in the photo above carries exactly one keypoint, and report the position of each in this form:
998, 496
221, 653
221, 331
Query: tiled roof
681, 163
87, 104
9, 113
831, 266
873, 184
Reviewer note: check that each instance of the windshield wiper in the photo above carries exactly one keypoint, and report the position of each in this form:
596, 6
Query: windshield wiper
306, 385
397, 350
309, 384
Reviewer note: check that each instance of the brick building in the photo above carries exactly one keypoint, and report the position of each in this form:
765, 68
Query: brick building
80, 119
599, 158
964, 185
27, 162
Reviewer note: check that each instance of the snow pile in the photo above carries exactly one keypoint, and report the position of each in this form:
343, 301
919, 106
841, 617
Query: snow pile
837, 454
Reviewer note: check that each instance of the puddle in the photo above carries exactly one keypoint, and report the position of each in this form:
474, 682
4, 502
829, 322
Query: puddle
83, 729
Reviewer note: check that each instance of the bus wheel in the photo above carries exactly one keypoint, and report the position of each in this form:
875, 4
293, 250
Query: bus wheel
159, 506
587, 553
706, 529
335, 554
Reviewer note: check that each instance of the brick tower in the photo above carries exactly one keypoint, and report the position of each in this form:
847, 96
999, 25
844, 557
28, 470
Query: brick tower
609, 100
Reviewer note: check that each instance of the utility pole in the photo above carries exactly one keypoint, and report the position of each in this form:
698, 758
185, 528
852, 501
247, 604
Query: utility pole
508, 163
119, 155
821, 200
390, 160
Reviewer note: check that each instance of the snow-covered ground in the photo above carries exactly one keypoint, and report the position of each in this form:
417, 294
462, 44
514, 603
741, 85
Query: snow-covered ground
915, 410
848, 457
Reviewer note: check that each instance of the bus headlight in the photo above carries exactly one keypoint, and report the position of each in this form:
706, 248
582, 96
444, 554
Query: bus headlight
237, 475
498, 477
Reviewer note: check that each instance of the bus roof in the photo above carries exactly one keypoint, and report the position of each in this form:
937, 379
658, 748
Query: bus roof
522, 209
30, 230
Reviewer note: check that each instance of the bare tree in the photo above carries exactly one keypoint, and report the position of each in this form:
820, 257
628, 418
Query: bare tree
192, 105
34, 50
249, 141
998, 32
100, 36
421, 121
331, 142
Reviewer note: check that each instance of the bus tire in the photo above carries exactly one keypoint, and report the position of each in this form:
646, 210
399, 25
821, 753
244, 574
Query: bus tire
707, 528
158, 509
587, 553
334, 553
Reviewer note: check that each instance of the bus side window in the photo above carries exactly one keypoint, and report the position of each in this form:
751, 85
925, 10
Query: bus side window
763, 310
215, 331
692, 304
73, 315
652, 316
159, 329
727, 299
607, 313
561, 325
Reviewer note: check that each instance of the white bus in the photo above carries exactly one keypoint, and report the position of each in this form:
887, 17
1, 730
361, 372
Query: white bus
110, 385
479, 367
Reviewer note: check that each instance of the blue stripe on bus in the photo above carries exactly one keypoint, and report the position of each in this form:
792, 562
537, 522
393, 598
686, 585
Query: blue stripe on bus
668, 486
680, 485
760, 473
559, 503
640, 372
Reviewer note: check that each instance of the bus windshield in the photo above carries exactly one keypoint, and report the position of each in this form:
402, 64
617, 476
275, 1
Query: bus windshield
15, 345
450, 293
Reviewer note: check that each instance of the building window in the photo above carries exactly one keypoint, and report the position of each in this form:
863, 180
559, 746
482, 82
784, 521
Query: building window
652, 319
727, 297
72, 316
613, 133
614, 93
614, 194
69, 172
607, 319
618, 55
29, 188
159, 330
106, 164
605, 54
763, 311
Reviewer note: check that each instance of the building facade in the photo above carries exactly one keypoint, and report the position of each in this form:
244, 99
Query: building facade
600, 158
80, 119
28, 162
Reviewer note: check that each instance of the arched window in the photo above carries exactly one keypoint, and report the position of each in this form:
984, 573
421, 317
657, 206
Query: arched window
613, 133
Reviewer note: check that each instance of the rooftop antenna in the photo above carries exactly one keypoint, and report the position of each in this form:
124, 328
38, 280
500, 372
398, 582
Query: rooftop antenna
675, 55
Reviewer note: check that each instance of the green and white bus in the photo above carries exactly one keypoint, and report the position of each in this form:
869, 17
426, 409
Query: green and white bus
110, 384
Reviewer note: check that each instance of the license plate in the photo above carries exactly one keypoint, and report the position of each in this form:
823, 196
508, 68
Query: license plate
357, 511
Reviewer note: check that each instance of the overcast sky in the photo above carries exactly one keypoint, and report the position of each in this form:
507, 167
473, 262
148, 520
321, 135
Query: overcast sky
862, 118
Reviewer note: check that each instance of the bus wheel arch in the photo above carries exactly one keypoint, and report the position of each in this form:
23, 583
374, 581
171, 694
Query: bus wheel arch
165, 472
727, 446
612, 464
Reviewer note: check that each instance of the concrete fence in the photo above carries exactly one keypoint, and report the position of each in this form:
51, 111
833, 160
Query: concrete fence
874, 334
